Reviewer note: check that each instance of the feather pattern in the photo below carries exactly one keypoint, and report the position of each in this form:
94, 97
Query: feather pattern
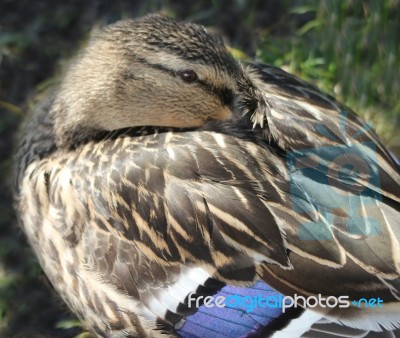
293, 194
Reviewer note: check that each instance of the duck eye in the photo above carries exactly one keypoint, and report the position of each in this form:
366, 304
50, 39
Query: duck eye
188, 76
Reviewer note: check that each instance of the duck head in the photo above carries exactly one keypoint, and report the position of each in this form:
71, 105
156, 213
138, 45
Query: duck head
151, 71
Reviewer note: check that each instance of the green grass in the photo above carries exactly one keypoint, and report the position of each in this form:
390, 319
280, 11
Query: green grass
350, 49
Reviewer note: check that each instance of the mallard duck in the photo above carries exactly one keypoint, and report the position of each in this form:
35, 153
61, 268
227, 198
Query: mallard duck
162, 172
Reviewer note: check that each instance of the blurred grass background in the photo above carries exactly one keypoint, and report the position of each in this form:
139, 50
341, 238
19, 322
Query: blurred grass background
350, 49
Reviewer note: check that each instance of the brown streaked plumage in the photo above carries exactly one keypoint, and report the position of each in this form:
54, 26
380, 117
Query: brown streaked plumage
160, 162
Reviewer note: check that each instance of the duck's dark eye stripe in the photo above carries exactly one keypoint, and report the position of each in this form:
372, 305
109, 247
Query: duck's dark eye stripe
225, 94
158, 66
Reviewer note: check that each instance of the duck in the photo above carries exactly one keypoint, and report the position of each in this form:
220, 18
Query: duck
165, 187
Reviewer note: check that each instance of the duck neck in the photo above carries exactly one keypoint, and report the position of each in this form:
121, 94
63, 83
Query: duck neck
38, 139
